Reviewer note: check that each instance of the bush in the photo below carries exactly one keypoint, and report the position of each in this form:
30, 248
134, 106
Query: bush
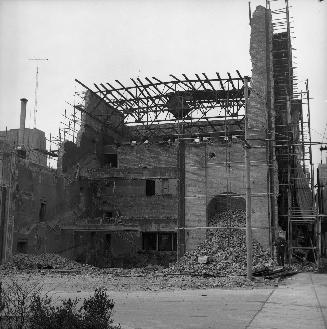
44, 315
97, 310
15, 300
21, 310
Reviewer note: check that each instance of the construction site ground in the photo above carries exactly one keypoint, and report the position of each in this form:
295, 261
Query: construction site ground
297, 302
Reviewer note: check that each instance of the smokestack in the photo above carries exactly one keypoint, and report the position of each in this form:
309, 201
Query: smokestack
21, 133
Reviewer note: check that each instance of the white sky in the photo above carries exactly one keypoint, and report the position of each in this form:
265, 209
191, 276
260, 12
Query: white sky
100, 41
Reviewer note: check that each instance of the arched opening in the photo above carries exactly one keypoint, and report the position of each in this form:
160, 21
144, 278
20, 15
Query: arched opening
223, 202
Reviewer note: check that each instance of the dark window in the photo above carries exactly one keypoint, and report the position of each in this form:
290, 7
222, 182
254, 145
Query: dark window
108, 214
150, 187
21, 152
165, 186
159, 241
174, 241
42, 212
107, 242
149, 240
110, 160
22, 247
165, 242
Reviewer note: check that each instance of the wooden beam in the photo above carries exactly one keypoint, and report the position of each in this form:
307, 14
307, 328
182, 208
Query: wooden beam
189, 81
220, 81
182, 82
231, 80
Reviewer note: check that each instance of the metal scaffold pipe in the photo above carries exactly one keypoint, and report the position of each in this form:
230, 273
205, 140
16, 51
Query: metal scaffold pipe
248, 186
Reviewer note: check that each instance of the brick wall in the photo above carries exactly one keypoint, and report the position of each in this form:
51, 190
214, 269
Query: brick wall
147, 155
261, 115
36, 184
126, 196
207, 177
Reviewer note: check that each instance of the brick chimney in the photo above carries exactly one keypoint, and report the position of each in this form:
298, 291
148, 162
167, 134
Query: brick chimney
21, 133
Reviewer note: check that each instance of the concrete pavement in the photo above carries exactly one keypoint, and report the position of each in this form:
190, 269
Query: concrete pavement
300, 303
212, 308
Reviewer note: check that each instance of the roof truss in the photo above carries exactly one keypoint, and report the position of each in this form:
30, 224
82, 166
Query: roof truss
175, 105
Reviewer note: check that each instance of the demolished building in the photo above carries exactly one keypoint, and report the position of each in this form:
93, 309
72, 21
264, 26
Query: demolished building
154, 161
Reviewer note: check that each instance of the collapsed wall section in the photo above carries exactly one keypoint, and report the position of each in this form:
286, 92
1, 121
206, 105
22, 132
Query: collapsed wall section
101, 126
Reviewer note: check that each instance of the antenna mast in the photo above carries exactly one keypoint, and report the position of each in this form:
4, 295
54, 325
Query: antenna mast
36, 84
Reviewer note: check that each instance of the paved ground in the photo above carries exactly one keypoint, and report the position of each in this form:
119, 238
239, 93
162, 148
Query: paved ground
301, 303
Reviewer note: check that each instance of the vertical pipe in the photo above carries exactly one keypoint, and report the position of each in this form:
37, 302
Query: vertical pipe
248, 187
21, 132
318, 243
181, 199
310, 148
302, 135
290, 164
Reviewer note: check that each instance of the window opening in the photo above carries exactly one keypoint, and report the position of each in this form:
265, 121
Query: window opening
149, 241
110, 160
107, 242
150, 187
42, 211
108, 214
165, 186
159, 241
22, 246
165, 242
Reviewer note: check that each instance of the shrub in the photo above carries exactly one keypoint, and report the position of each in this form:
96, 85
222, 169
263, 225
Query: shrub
22, 308
15, 300
97, 310
44, 315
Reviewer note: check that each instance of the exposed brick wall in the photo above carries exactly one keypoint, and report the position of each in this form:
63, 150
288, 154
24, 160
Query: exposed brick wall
99, 109
207, 177
261, 116
147, 155
195, 194
36, 184
127, 198
257, 112
8, 180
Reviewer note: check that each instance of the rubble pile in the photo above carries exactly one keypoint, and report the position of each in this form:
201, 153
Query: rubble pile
224, 250
43, 261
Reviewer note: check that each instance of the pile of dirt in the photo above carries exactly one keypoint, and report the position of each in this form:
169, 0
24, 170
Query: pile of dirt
43, 262
225, 249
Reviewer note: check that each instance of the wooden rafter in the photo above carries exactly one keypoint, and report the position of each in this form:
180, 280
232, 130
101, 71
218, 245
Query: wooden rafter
188, 101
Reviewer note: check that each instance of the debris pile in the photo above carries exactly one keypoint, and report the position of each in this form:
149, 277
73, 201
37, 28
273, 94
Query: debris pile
225, 249
43, 261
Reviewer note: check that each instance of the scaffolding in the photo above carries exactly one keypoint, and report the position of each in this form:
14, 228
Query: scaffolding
297, 213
